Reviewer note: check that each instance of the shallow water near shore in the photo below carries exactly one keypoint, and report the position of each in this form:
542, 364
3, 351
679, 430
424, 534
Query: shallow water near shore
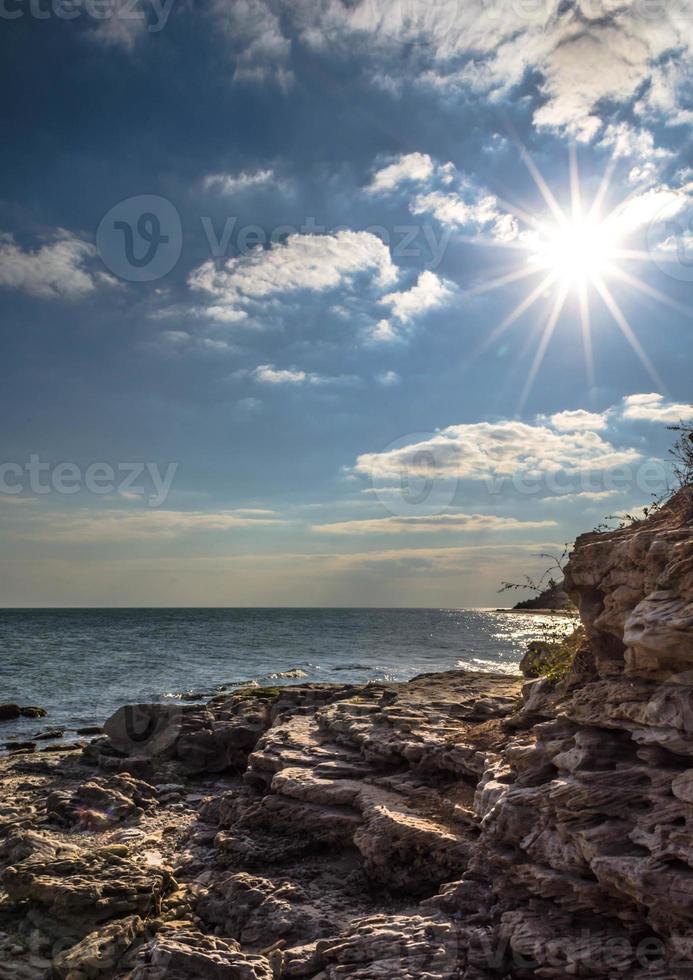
81, 664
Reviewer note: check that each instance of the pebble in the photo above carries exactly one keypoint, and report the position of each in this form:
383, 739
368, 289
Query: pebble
129, 834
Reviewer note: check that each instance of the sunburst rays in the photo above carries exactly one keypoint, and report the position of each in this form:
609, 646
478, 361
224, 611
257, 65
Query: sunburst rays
576, 252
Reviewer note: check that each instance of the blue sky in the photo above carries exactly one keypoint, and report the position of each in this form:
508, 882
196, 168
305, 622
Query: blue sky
294, 294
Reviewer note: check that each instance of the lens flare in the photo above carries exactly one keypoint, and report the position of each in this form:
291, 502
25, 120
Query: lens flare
575, 251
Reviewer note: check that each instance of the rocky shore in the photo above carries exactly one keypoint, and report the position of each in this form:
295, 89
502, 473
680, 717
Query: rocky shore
463, 825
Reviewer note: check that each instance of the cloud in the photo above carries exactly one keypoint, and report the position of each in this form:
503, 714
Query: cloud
182, 342
572, 442
654, 207
470, 208
628, 141
408, 168
237, 183
581, 56
123, 525
655, 408
388, 379
269, 375
429, 292
666, 96
382, 333
579, 420
60, 269
317, 263
428, 524
587, 495
584, 53
484, 450
256, 41
457, 202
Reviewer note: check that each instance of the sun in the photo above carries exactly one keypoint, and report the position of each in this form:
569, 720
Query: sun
576, 251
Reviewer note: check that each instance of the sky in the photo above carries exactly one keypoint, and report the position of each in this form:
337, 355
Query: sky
334, 303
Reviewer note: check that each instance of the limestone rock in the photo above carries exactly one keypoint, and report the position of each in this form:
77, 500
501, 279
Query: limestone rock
99, 953
256, 911
77, 890
190, 955
102, 801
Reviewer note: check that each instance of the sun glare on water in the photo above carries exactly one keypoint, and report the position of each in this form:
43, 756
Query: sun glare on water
576, 253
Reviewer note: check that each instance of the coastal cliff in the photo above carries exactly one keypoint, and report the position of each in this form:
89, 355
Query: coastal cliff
554, 598
463, 825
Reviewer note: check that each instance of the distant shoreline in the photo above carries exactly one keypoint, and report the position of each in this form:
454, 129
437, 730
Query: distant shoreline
538, 612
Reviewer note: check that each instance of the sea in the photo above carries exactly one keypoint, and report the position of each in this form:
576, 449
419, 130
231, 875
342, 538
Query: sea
82, 664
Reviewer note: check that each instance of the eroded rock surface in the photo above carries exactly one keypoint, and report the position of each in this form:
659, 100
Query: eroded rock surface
460, 826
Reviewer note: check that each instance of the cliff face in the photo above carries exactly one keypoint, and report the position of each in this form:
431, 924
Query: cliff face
634, 589
587, 825
459, 826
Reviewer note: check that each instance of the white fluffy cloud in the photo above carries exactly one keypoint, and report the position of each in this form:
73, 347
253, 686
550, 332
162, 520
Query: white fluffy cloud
429, 292
428, 524
61, 268
312, 262
484, 450
579, 420
570, 442
408, 168
473, 209
655, 408
451, 197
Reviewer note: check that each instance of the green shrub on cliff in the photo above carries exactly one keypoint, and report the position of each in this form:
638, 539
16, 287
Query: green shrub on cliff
553, 658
